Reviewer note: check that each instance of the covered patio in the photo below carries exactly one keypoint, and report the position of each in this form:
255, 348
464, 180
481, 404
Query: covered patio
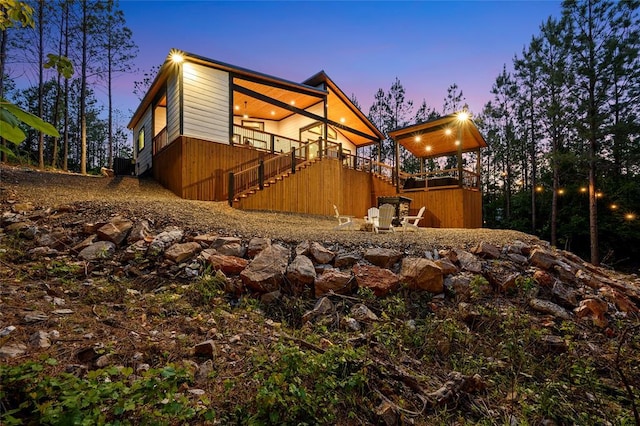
447, 181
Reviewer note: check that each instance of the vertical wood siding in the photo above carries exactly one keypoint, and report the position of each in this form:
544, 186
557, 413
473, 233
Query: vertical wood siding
206, 103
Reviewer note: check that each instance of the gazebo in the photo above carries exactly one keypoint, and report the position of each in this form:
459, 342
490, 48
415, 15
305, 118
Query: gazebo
448, 179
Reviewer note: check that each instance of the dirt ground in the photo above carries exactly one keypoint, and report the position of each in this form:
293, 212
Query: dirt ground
144, 198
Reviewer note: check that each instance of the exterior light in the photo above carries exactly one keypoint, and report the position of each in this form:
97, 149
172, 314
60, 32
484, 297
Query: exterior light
293, 102
463, 116
630, 216
457, 143
237, 107
613, 207
539, 188
342, 120
418, 138
428, 148
273, 113
561, 191
599, 194
520, 182
176, 57
583, 189
447, 132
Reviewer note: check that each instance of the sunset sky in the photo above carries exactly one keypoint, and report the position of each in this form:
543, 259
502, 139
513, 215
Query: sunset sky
362, 46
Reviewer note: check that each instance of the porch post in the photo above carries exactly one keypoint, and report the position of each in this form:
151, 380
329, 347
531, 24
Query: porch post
293, 160
230, 194
459, 155
397, 165
261, 174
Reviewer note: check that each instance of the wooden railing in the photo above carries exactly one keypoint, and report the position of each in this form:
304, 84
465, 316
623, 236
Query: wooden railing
160, 141
263, 140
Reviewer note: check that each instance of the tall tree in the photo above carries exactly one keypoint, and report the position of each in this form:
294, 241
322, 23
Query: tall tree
594, 25
119, 50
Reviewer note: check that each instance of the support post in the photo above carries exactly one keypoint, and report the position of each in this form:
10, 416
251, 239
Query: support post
230, 194
293, 160
261, 174
273, 144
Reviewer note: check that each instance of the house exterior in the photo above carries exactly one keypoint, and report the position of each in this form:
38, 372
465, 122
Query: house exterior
212, 131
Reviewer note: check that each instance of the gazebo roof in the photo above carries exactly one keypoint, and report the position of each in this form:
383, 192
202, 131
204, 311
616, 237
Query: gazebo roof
439, 137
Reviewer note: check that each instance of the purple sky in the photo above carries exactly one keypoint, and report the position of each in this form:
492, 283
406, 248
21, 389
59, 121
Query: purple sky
362, 46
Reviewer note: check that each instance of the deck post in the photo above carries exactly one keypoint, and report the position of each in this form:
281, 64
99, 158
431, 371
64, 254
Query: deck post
261, 174
273, 144
231, 189
340, 151
293, 160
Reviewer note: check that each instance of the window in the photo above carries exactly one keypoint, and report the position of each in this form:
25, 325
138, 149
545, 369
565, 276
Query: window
141, 140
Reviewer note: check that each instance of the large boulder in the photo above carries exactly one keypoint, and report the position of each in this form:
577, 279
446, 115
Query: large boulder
98, 250
265, 272
422, 274
468, 261
333, 280
300, 273
256, 245
228, 264
384, 258
180, 252
381, 281
115, 231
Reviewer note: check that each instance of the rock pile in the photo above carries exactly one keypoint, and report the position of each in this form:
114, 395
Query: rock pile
557, 283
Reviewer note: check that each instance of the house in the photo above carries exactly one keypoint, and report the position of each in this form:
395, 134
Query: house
211, 131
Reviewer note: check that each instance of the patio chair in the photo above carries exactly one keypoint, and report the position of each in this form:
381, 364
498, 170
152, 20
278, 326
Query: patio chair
372, 216
385, 218
344, 222
411, 222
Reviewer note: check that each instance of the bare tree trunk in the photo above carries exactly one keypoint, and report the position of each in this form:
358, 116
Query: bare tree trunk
3, 54
41, 80
83, 93
65, 159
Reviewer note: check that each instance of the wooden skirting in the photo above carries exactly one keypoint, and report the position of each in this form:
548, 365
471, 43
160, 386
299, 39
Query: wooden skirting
448, 208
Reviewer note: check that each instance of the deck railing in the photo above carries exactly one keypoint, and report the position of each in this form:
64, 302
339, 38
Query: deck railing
263, 140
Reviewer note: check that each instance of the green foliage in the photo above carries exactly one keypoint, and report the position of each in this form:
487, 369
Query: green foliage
299, 387
61, 64
110, 395
15, 12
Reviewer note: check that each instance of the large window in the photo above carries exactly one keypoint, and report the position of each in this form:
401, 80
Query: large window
141, 140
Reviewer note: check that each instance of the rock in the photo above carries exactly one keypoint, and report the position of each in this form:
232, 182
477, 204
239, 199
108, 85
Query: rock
23, 207
35, 316
622, 302
103, 361
564, 295
320, 253
13, 350
486, 250
345, 260
42, 252
115, 231
381, 281
387, 414
518, 258
457, 286
141, 230
362, 313
204, 370
300, 273
165, 239
180, 252
553, 344
518, 247
227, 264
205, 349
57, 240
446, 266
229, 246
384, 258
501, 277
594, 308
136, 250
323, 306
206, 239
62, 311
551, 308
543, 278
84, 243
350, 324
266, 271
468, 261
271, 298
7, 330
542, 259
333, 280
422, 274
256, 245
99, 250
40, 339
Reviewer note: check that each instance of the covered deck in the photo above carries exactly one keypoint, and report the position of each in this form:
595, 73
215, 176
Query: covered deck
447, 182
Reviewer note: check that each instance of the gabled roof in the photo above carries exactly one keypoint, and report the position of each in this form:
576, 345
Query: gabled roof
252, 89
438, 137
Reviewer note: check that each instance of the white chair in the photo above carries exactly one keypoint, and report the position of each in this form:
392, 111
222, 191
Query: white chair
372, 216
411, 222
344, 222
385, 218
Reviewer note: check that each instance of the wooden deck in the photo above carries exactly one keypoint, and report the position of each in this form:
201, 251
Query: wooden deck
198, 169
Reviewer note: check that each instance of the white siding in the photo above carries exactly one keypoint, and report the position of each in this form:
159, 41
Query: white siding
173, 108
206, 103
143, 158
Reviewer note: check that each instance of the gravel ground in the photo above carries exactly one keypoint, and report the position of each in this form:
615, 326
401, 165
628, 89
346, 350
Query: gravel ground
146, 199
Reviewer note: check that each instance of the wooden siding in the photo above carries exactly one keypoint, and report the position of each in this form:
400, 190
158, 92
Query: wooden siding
173, 107
206, 103
315, 190
448, 208
143, 158
290, 126
194, 168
